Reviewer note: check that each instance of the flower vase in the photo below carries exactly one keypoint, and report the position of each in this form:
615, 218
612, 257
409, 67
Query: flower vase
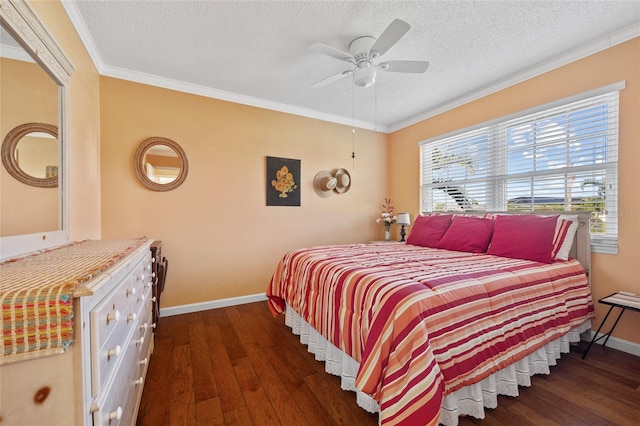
387, 234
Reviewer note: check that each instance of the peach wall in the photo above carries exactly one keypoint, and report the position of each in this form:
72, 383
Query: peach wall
219, 236
27, 95
610, 273
83, 122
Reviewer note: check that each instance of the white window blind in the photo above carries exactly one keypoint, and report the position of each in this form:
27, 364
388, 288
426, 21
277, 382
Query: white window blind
558, 157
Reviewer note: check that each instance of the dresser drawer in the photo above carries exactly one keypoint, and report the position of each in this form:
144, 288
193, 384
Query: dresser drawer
107, 357
142, 277
110, 313
143, 302
146, 333
116, 402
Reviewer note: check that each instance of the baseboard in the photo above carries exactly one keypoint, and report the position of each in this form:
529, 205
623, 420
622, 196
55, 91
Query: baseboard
212, 304
619, 344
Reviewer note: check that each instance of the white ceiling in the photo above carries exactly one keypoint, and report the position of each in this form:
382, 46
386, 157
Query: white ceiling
256, 52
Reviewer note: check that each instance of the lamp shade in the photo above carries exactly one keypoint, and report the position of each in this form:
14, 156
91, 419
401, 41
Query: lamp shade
403, 219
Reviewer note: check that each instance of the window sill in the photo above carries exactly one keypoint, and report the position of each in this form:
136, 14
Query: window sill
608, 247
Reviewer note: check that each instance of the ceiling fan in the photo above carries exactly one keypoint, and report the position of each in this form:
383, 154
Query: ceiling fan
363, 55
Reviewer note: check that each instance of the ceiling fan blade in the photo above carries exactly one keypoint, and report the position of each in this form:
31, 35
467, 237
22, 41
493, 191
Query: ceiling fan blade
331, 79
390, 36
332, 51
404, 66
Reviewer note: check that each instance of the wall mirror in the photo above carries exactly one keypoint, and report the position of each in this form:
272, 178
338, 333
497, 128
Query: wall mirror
30, 153
34, 74
161, 164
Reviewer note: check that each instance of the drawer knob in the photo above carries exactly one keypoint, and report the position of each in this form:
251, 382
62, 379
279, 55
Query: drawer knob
144, 326
116, 415
153, 325
141, 277
153, 274
131, 291
153, 299
141, 298
144, 361
113, 316
140, 341
139, 381
115, 352
131, 317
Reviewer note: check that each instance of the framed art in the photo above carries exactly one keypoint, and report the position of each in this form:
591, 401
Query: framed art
283, 182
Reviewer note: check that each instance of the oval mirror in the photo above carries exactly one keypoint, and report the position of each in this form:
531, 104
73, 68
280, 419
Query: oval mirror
161, 164
30, 154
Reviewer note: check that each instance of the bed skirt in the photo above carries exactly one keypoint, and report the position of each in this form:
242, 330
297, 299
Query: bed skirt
467, 401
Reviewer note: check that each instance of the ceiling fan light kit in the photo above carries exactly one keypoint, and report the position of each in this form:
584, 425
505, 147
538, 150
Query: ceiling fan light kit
363, 55
364, 76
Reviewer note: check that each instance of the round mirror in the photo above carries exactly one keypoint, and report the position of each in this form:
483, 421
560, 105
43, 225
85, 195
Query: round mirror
30, 154
161, 164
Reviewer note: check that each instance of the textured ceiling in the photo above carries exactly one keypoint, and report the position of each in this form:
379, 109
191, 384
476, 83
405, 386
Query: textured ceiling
257, 52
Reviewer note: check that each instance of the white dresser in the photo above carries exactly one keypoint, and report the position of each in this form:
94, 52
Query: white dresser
99, 378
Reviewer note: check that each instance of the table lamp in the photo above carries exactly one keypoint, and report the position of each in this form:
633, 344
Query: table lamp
404, 220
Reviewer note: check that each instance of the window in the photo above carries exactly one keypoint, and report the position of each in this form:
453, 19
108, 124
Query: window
557, 157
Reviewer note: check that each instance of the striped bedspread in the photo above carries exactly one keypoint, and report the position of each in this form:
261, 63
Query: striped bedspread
425, 322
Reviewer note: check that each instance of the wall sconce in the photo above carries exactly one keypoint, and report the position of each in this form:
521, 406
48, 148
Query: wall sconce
404, 220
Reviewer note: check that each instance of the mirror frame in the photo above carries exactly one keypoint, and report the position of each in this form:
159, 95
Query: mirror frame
140, 169
19, 20
9, 146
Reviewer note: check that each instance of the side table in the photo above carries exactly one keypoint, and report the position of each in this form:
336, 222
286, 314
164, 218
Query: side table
622, 300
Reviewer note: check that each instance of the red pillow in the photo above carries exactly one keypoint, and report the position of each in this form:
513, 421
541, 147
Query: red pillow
470, 234
427, 230
527, 237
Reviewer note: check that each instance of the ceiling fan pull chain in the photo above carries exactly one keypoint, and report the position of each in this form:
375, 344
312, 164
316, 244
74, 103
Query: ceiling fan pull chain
375, 108
353, 124
353, 152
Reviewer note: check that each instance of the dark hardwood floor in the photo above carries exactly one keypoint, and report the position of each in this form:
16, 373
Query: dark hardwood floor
241, 366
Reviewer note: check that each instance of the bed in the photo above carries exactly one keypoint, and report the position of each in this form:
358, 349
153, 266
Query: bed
426, 331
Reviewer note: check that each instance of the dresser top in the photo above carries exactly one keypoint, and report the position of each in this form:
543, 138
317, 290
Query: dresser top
36, 292
69, 265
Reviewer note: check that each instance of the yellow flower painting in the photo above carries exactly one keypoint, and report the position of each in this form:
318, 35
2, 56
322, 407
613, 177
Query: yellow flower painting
283, 176
284, 182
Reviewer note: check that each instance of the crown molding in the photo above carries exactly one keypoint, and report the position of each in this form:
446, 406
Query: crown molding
22, 23
81, 28
208, 92
595, 46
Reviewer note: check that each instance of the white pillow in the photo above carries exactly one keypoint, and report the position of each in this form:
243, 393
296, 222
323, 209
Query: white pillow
567, 243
